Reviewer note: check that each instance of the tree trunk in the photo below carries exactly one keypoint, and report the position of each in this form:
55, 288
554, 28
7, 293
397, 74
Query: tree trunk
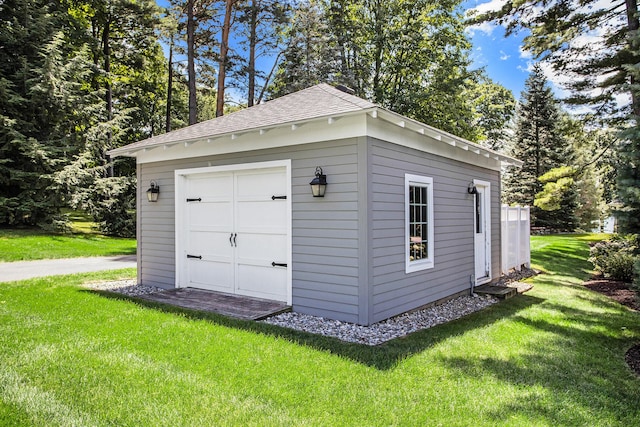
224, 49
633, 25
106, 51
253, 22
378, 53
191, 68
169, 87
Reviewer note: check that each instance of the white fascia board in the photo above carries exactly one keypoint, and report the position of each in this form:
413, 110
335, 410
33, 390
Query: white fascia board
436, 141
386, 131
349, 126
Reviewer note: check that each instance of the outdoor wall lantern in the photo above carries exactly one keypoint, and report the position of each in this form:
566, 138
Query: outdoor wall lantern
319, 183
153, 192
471, 189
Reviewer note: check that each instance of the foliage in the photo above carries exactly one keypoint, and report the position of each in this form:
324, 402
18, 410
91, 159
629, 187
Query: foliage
628, 184
595, 169
495, 108
33, 109
111, 202
72, 357
595, 46
540, 144
558, 183
411, 57
76, 79
311, 56
585, 41
615, 258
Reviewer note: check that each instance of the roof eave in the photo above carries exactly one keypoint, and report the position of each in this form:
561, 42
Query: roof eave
128, 151
443, 136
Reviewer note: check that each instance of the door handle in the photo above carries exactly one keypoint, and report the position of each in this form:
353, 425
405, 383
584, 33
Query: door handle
231, 239
194, 256
235, 236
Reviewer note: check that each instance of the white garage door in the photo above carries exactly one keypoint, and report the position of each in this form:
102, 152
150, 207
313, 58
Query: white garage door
235, 231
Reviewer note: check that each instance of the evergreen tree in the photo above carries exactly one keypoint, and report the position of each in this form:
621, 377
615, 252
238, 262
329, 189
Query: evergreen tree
32, 116
628, 170
409, 56
495, 107
586, 40
541, 146
310, 57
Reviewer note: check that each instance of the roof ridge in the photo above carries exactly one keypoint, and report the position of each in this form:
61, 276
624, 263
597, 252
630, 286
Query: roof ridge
344, 95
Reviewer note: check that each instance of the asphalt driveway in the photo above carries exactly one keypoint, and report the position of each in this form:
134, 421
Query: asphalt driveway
21, 270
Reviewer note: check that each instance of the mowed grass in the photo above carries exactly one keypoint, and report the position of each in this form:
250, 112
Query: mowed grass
24, 245
553, 356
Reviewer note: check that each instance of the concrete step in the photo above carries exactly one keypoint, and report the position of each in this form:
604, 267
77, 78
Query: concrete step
502, 292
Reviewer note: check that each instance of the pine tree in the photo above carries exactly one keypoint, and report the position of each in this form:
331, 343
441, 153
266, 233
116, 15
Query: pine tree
311, 56
540, 144
31, 138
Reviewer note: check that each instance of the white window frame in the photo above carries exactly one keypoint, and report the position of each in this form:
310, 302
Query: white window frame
425, 263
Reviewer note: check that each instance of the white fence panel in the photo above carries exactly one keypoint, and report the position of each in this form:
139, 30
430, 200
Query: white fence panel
516, 248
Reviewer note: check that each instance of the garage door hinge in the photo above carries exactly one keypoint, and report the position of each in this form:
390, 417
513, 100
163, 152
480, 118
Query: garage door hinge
194, 200
278, 264
278, 197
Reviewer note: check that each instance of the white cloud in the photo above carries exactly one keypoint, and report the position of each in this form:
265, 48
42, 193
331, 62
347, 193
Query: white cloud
526, 69
504, 56
490, 6
485, 27
524, 54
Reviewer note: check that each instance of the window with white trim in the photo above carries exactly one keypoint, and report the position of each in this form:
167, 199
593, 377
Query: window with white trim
418, 222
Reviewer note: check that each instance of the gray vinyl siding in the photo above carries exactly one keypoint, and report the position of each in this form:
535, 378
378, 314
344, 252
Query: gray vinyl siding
394, 291
325, 232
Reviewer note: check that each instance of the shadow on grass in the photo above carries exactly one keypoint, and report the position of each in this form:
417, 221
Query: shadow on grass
572, 377
383, 357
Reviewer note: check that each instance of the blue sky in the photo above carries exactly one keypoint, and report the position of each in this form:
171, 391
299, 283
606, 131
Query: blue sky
501, 57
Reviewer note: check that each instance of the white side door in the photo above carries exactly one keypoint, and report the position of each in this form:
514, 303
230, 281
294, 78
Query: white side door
482, 231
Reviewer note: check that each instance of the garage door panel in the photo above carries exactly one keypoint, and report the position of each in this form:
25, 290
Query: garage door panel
266, 247
262, 281
260, 184
210, 186
211, 216
266, 215
211, 274
210, 243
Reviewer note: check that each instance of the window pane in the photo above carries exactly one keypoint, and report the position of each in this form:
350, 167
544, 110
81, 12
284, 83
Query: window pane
418, 223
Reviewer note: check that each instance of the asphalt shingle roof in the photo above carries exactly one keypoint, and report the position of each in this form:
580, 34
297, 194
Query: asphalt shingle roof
314, 102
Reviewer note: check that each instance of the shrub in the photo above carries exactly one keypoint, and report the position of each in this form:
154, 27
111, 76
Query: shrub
615, 258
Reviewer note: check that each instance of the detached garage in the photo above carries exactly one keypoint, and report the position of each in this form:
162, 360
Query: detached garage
410, 214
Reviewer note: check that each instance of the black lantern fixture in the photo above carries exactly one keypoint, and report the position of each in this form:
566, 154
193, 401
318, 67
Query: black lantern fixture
471, 189
319, 183
153, 192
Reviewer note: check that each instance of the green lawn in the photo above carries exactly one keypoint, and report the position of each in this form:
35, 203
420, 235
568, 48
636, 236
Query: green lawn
22, 245
551, 357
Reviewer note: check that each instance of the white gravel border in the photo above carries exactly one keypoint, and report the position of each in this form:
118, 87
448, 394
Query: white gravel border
386, 330
124, 287
375, 334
